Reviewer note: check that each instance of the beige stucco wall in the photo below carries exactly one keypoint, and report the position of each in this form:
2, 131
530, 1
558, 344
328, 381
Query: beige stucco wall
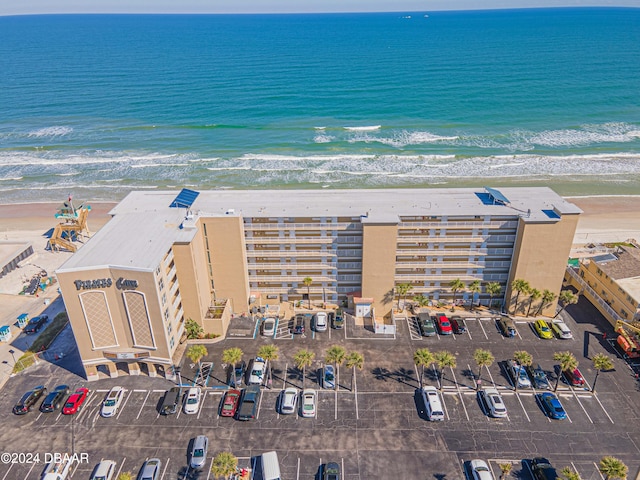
193, 278
609, 290
540, 257
379, 243
115, 301
226, 246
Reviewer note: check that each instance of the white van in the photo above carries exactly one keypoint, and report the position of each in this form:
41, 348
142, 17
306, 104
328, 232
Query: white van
432, 403
270, 466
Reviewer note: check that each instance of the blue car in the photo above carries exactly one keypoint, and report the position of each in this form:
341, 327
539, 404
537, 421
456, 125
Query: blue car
552, 406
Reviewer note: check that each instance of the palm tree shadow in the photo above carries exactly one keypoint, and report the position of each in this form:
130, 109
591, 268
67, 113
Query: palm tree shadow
404, 375
381, 373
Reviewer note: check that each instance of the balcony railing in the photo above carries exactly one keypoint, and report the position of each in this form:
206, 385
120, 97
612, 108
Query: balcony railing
441, 265
290, 253
172, 273
423, 277
433, 239
287, 240
302, 226
287, 278
296, 290
291, 266
479, 224
444, 252
594, 295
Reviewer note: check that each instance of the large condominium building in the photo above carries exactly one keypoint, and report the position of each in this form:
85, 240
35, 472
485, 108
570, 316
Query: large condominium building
165, 257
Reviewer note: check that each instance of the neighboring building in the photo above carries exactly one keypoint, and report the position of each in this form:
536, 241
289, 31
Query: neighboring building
612, 283
162, 260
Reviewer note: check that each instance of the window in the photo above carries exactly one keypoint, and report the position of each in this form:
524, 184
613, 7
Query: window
166, 314
164, 299
161, 284
158, 271
172, 342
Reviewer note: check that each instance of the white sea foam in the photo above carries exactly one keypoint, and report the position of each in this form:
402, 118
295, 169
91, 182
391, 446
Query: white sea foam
215, 169
365, 128
403, 138
303, 158
54, 131
320, 128
10, 179
68, 174
323, 138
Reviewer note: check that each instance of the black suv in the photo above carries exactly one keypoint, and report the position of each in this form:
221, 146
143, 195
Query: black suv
457, 324
170, 401
54, 399
28, 400
507, 327
542, 469
36, 323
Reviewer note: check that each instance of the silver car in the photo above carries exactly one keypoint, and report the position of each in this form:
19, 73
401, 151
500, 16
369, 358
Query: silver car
480, 470
150, 469
199, 452
494, 403
289, 401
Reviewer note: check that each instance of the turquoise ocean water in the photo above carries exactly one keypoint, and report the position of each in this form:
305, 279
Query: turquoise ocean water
97, 105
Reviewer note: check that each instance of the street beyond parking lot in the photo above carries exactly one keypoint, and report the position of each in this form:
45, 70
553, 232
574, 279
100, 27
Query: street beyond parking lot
375, 431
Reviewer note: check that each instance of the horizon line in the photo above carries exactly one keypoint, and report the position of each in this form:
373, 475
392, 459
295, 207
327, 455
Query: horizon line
320, 12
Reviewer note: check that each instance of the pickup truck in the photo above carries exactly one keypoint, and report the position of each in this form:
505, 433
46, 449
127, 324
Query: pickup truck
248, 403
58, 469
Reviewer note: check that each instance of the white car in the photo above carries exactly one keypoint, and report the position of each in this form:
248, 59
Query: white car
256, 376
104, 470
321, 322
309, 398
494, 403
480, 470
112, 402
192, 401
288, 401
561, 330
269, 327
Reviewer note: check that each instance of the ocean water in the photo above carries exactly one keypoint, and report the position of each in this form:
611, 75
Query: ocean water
97, 105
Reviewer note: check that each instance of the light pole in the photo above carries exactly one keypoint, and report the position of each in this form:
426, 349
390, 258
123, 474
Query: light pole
12, 352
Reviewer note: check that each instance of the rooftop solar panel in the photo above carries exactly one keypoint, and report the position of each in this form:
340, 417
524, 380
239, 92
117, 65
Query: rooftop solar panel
497, 195
184, 199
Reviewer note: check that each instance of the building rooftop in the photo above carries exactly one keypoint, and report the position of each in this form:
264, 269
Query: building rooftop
624, 263
144, 226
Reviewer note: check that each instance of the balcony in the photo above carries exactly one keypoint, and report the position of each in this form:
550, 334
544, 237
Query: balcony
176, 304
287, 278
291, 266
169, 259
479, 225
297, 291
171, 274
290, 253
476, 252
301, 226
287, 240
433, 239
443, 277
442, 265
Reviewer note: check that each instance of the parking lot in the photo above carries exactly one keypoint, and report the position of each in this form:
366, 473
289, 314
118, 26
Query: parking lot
376, 428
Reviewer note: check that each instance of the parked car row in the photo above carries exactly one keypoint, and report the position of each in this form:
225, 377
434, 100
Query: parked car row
320, 322
52, 401
495, 407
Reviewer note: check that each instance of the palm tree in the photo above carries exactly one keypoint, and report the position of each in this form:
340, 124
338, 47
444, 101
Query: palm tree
455, 286
474, 287
570, 474
600, 362
403, 289
270, 353
567, 361
422, 358
232, 356
493, 289
534, 294
307, 281
524, 359
303, 359
444, 359
421, 300
483, 358
567, 297
505, 469
354, 360
335, 354
613, 468
519, 286
196, 352
547, 297
224, 464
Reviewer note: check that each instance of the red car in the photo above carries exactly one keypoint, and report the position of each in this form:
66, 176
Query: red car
230, 404
75, 401
444, 325
575, 378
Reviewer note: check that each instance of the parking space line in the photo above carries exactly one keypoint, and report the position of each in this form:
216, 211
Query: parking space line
29, 472
523, 409
459, 393
143, 402
579, 402
598, 470
483, 330
602, 406
124, 404
86, 405
259, 405
166, 465
444, 404
298, 469
284, 377
491, 376
336, 402
10, 467
204, 397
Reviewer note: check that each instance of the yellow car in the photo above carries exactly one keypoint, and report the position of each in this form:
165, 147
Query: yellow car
543, 329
